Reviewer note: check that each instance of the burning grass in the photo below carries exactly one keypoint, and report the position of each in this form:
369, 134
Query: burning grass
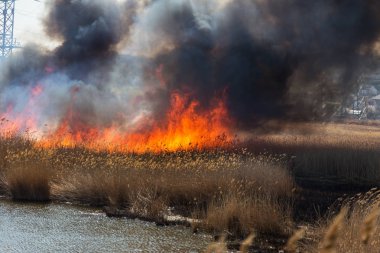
227, 191
152, 186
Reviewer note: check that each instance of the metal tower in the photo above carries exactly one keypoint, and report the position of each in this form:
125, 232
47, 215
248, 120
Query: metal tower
7, 17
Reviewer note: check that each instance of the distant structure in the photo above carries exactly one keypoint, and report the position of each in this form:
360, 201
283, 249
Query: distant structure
365, 103
7, 18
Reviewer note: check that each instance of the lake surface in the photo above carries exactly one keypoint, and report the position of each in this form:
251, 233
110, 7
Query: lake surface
65, 228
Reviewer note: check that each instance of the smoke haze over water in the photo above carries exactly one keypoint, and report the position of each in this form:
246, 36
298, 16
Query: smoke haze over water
120, 61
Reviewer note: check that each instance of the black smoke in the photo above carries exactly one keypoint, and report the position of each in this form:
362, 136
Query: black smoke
269, 59
89, 32
289, 59
76, 75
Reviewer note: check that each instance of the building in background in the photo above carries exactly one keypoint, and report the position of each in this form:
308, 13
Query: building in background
365, 104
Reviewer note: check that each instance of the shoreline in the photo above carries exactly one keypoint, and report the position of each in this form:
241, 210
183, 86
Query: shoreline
272, 186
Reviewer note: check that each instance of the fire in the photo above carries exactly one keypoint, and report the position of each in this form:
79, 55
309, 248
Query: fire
185, 129
185, 126
13, 122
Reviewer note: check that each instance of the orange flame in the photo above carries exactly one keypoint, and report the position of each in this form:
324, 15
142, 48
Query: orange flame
185, 128
25, 120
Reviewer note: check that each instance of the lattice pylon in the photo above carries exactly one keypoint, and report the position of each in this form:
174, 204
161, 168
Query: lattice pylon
7, 17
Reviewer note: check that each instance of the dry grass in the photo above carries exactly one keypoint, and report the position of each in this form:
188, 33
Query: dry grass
154, 185
331, 154
28, 183
233, 192
369, 225
240, 216
262, 201
244, 247
356, 232
217, 247
191, 184
292, 244
329, 242
25, 174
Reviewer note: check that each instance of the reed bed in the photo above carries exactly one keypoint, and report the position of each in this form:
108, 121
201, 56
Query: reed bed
235, 192
28, 183
342, 156
198, 184
354, 229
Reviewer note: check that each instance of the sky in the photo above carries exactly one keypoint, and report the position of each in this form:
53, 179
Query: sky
28, 22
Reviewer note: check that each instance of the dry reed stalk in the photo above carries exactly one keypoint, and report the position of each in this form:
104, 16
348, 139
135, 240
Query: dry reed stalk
291, 245
244, 247
238, 215
148, 184
369, 225
28, 184
217, 247
332, 233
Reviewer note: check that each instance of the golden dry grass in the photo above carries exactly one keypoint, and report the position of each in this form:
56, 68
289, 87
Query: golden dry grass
329, 241
217, 247
239, 216
25, 175
244, 247
292, 244
256, 189
354, 230
231, 191
335, 154
243, 209
28, 183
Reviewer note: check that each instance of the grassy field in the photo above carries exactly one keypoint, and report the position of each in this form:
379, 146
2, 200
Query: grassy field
260, 186
336, 156
231, 191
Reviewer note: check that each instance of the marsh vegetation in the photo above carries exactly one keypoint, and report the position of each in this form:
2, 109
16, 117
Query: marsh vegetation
272, 185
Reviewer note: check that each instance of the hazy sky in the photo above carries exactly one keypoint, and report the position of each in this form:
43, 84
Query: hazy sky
28, 19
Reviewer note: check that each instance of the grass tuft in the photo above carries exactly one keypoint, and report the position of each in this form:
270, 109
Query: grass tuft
244, 247
292, 244
28, 184
369, 224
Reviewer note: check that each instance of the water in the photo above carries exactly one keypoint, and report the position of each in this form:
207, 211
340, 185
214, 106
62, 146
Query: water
65, 228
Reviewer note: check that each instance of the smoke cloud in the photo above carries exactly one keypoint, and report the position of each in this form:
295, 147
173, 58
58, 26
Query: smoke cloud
120, 61
274, 59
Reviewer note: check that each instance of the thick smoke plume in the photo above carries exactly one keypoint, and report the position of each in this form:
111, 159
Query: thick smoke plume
274, 59
120, 61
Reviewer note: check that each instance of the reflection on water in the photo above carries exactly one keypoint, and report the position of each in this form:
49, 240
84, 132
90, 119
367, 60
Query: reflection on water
64, 228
